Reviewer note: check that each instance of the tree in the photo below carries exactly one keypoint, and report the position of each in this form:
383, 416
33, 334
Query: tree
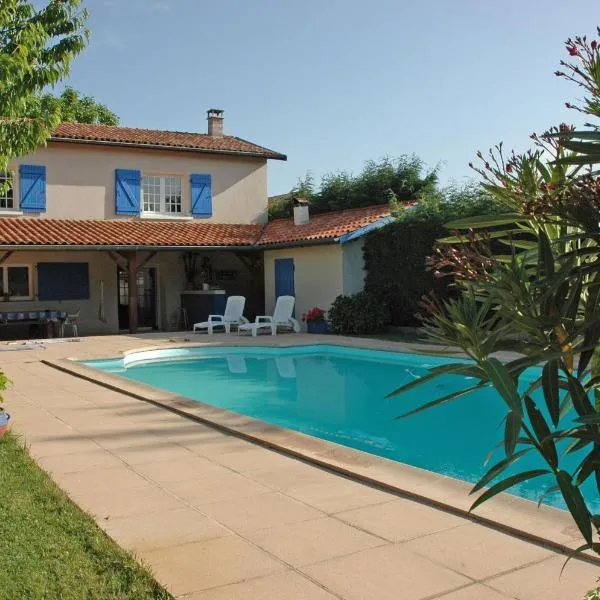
390, 179
541, 300
73, 108
37, 46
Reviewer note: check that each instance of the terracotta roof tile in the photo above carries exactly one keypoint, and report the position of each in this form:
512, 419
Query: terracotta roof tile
64, 232
323, 226
107, 134
34, 231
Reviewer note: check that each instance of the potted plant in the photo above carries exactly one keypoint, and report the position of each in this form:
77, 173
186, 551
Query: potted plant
315, 320
4, 416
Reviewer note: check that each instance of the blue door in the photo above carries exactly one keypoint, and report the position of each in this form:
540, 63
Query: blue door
284, 277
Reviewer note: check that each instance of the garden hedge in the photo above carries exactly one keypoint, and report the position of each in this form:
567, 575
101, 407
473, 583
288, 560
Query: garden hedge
395, 267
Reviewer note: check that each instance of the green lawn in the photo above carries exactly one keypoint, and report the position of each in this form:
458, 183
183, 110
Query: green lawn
50, 549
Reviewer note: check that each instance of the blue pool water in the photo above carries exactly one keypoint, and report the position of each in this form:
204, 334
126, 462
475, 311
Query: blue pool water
338, 394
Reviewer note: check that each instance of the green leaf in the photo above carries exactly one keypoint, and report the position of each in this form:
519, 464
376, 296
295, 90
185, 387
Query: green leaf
481, 221
542, 432
547, 492
442, 400
589, 465
467, 369
512, 428
576, 505
508, 483
581, 402
545, 256
594, 546
589, 419
550, 387
502, 381
494, 471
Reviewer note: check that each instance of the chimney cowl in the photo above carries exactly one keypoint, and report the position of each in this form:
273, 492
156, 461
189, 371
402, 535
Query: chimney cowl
214, 116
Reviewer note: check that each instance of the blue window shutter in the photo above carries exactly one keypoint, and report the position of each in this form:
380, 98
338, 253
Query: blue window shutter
127, 192
201, 186
32, 188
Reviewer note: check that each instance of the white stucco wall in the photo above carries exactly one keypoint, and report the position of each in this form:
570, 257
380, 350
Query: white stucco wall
80, 180
318, 276
353, 267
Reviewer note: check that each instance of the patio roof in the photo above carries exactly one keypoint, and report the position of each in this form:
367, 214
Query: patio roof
333, 227
132, 234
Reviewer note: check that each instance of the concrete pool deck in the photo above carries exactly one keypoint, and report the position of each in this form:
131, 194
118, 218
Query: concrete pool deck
218, 517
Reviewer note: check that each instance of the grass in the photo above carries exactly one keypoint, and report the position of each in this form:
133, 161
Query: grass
50, 549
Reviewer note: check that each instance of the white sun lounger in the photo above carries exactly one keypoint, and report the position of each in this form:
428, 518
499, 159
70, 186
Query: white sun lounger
234, 315
282, 317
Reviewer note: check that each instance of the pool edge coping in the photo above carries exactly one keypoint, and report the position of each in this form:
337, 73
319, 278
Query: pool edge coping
403, 480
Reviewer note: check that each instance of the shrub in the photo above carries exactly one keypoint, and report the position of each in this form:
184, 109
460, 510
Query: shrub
359, 314
395, 255
396, 271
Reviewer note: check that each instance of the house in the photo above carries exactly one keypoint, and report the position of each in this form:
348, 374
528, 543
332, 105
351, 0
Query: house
317, 258
102, 206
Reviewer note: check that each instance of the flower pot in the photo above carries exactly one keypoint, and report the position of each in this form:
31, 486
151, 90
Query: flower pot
4, 419
316, 326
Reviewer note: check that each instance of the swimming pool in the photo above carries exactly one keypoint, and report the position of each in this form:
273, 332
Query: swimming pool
338, 394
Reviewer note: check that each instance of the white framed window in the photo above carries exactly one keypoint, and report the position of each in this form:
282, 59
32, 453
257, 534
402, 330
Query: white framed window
16, 283
7, 201
161, 194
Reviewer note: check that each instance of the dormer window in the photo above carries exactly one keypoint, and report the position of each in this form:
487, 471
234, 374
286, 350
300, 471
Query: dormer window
161, 194
6, 191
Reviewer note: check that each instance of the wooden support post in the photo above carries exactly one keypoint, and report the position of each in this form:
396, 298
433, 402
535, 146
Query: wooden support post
132, 280
5, 256
148, 258
119, 259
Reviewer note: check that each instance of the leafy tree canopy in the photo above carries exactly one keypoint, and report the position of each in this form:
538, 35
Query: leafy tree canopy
73, 108
447, 204
399, 179
37, 46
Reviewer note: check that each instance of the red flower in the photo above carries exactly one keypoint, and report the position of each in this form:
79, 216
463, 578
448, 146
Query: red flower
594, 44
314, 314
572, 51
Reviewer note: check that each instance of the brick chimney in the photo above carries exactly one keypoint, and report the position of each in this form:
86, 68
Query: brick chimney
300, 211
215, 122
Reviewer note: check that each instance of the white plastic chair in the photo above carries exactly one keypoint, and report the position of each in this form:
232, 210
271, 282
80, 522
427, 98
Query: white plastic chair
234, 315
70, 321
282, 317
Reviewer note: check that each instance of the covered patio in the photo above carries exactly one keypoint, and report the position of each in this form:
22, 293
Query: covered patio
84, 268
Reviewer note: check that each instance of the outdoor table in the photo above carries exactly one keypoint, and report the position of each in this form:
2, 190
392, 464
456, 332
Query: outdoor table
37, 316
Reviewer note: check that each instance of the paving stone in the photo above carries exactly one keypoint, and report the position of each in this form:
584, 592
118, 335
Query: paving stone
313, 541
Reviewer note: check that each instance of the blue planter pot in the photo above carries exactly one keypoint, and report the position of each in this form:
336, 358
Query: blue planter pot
316, 326
4, 418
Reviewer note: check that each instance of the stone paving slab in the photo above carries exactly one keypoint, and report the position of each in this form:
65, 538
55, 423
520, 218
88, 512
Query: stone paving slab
218, 517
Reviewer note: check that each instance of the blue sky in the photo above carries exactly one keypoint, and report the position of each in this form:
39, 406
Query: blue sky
333, 83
